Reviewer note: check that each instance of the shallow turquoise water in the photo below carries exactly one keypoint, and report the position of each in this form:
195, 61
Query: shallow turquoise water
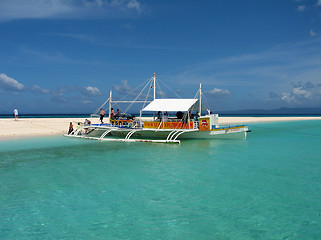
266, 187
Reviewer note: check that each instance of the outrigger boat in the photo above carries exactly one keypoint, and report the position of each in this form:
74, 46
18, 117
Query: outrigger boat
163, 128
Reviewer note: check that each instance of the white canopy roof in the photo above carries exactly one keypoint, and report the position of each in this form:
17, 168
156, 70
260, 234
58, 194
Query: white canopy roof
172, 105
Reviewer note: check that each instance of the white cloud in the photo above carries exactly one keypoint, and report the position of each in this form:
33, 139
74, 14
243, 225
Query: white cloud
19, 9
301, 92
216, 92
92, 91
99, 2
301, 8
134, 4
123, 88
38, 89
86, 101
319, 3
312, 33
52, 9
273, 96
127, 26
274, 68
299, 95
129, 4
58, 98
58, 95
287, 97
8, 83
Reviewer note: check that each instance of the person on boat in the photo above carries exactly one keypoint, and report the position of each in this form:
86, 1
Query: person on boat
86, 123
79, 127
166, 116
159, 116
71, 128
15, 114
112, 113
102, 115
118, 114
193, 116
179, 115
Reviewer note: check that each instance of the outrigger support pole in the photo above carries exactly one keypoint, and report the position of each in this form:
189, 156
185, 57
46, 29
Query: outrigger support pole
154, 78
110, 94
140, 118
154, 86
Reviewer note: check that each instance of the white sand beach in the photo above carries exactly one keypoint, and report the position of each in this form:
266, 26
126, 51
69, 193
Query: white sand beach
28, 127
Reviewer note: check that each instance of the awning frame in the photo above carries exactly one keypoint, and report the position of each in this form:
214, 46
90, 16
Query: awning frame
173, 105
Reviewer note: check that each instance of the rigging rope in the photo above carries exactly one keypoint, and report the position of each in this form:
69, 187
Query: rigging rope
160, 90
169, 88
132, 92
147, 82
138, 95
97, 111
147, 95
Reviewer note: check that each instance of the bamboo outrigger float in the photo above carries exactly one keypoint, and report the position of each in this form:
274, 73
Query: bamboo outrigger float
162, 129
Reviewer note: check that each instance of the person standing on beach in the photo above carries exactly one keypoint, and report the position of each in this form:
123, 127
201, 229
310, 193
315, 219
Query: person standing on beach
102, 115
71, 128
15, 114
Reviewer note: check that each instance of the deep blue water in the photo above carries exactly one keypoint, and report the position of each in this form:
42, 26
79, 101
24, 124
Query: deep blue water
265, 187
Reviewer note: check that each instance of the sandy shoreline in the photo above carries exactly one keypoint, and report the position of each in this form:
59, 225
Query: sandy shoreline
29, 127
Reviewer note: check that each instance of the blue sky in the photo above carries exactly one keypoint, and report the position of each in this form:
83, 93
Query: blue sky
63, 56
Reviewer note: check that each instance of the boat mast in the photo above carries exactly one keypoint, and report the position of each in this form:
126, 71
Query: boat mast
110, 94
154, 77
154, 86
200, 113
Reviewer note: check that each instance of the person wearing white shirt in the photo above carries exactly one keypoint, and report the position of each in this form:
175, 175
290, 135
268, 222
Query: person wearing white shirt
15, 114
